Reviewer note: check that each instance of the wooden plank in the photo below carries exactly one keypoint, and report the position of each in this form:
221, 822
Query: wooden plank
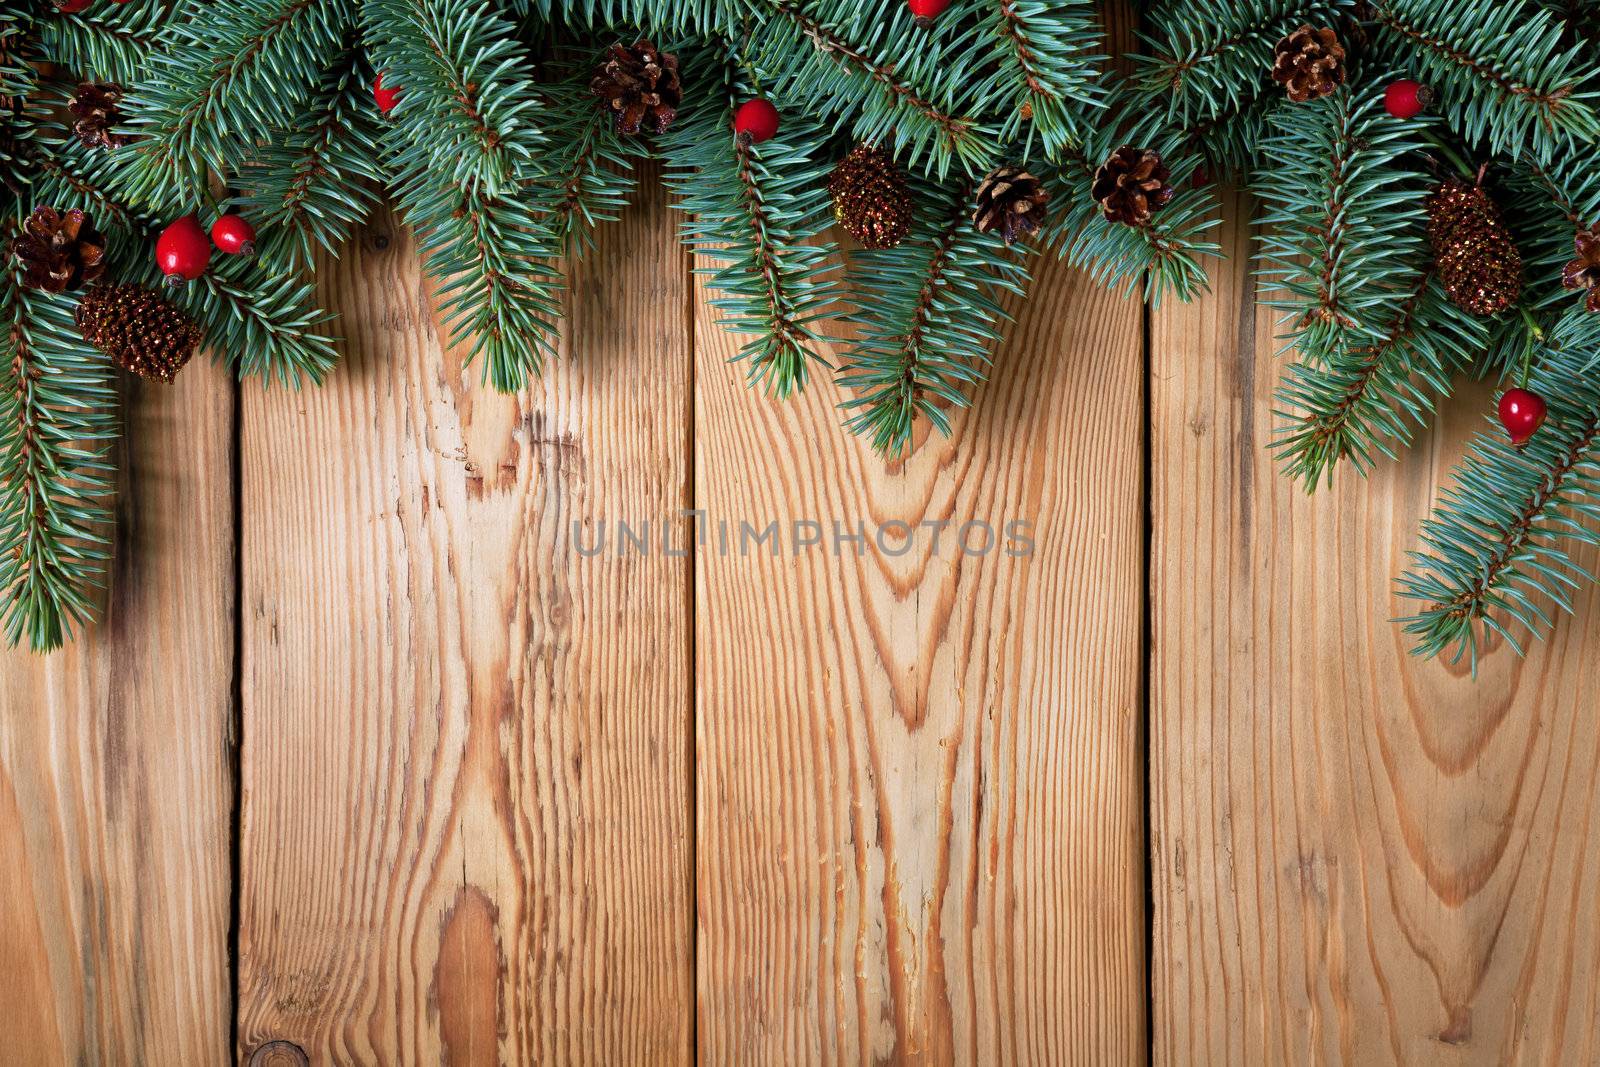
1357, 856
466, 825
920, 780
116, 771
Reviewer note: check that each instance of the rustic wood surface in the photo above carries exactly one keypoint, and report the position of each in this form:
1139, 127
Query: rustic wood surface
466, 771
1356, 856
419, 782
117, 772
920, 778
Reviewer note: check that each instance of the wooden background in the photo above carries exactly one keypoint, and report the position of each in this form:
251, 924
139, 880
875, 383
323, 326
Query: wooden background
368, 766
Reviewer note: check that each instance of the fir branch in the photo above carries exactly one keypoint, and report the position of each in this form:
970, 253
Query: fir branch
1208, 62
1497, 543
891, 85
1514, 85
467, 105
1366, 398
928, 315
1344, 229
228, 75
590, 162
262, 326
492, 257
57, 421
470, 177
312, 185
106, 42
1165, 253
758, 212
1050, 67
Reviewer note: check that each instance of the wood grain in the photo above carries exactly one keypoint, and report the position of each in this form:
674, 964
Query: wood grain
116, 771
919, 788
466, 824
1357, 856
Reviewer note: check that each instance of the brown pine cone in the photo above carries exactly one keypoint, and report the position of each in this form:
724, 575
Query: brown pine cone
1476, 258
94, 106
1309, 63
870, 197
1131, 185
138, 329
1012, 201
59, 250
1584, 271
640, 85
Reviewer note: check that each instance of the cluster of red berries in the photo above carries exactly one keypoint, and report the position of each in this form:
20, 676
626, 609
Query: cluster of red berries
183, 250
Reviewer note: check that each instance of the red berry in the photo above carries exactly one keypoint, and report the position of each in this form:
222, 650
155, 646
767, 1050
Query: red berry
927, 10
1405, 98
70, 7
386, 98
756, 121
182, 250
233, 234
1521, 413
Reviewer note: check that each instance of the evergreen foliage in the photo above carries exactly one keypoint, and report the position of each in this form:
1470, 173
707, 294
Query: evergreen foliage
501, 157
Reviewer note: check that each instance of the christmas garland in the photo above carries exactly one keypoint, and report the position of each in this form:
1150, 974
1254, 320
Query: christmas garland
173, 167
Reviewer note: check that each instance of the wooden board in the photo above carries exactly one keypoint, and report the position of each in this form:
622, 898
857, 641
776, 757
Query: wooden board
116, 771
1356, 855
466, 822
920, 779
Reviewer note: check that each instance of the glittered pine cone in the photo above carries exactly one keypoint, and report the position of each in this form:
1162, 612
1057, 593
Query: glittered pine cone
1473, 252
1130, 185
1011, 201
1309, 63
96, 115
1583, 272
640, 85
138, 329
870, 197
59, 250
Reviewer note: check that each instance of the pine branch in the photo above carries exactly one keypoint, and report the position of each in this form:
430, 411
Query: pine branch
590, 162
262, 326
758, 211
228, 75
701, 17
1344, 227
890, 83
928, 316
470, 177
19, 82
1164, 254
1367, 397
1209, 62
312, 185
1049, 59
57, 421
105, 42
1514, 86
467, 108
1498, 544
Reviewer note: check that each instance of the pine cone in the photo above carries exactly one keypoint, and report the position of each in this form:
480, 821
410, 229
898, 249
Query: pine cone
1473, 251
1309, 63
1012, 201
59, 250
1131, 185
1584, 271
138, 329
870, 197
639, 84
94, 106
